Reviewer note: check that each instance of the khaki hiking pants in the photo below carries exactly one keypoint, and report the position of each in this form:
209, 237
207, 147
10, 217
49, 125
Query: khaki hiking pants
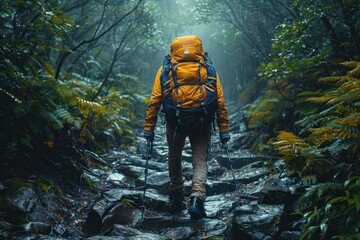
200, 145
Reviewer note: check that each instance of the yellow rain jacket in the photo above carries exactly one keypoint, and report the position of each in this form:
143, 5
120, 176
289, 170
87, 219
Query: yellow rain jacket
157, 98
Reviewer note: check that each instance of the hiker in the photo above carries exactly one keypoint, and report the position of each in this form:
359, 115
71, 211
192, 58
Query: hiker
189, 90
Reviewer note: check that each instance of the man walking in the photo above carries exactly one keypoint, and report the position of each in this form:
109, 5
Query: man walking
189, 89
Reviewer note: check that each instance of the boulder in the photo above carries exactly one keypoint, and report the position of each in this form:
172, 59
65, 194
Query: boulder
257, 221
121, 180
37, 227
122, 213
156, 180
24, 200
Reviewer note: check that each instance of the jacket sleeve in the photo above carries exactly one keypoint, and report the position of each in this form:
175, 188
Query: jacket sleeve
222, 112
154, 104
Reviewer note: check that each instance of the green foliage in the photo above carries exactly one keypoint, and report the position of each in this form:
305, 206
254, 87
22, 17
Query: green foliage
315, 126
331, 132
329, 146
336, 211
46, 113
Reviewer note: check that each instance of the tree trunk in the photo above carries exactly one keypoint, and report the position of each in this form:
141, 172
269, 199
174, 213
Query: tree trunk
335, 40
348, 19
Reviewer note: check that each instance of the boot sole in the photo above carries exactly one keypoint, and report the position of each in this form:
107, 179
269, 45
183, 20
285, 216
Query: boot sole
195, 214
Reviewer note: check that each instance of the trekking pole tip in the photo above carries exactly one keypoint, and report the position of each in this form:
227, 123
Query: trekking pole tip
224, 145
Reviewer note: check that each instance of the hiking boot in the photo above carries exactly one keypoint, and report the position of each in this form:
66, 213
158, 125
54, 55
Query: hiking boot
177, 201
196, 209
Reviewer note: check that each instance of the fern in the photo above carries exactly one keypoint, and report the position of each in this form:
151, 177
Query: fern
340, 145
50, 118
67, 117
318, 190
334, 129
17, 100
88, 107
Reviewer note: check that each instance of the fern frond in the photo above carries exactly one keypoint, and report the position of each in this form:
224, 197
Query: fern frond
355, 66
67, 117
351, 64
316, 164
327, 99
333, 79
314, 119
342, 144
354, 73
351, 120
350, 89
322, 134
87, 106
289, 145
321, 188
51, 119
16, 99
347, 132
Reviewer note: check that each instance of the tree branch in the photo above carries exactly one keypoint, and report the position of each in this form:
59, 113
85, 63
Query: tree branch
348, 19
94, 38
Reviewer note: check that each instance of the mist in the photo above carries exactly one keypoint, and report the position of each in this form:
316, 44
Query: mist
237, 42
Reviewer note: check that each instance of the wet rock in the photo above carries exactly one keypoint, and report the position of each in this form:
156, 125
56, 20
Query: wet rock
153, 198
121, 180
134, 171
209, 228
219, 187
43, 214
37, 227
122, 231
239, 158
185, 227
92, 225
280, 191
61, 229
139, 162
123, 213
4, 225
104, 214
215, 170
117, 194
178, 233
257, 221
157, 201
23, 200
187, 156
147, 236
275, 192
249, 173
289, 235
102, 238
213, 228
157, 180
217, 206
93, 222
187, 170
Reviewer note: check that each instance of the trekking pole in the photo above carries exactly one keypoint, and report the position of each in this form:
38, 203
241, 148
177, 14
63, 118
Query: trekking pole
240, 191
225, 146
147, 156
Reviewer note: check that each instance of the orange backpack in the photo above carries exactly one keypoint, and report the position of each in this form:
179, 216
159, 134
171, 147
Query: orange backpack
188, 82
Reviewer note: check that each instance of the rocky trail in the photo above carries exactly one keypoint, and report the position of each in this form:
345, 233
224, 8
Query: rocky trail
258, 209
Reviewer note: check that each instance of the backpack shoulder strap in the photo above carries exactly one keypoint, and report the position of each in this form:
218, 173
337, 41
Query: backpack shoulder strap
211, 72
166, 67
